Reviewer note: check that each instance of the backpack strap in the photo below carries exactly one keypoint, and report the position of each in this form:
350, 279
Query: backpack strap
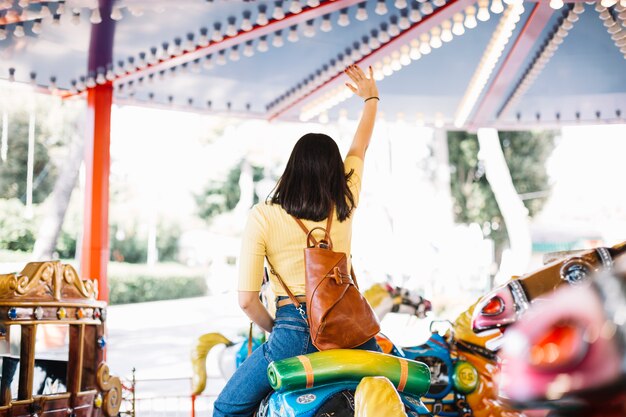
292, 297
310, 236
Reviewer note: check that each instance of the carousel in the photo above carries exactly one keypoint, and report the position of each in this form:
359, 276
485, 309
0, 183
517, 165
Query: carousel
481, 66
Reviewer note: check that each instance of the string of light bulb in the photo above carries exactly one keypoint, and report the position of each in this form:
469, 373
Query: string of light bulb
615, 26
386, 66
490, 58
561, 30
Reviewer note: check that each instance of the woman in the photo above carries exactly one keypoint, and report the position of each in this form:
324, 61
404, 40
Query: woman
314, 182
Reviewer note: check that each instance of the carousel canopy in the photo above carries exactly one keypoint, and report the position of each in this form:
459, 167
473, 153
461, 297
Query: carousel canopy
457, 63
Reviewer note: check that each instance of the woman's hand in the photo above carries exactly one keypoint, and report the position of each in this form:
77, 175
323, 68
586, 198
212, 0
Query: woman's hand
365, 87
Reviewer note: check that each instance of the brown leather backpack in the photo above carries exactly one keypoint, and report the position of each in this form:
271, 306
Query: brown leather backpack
339, 317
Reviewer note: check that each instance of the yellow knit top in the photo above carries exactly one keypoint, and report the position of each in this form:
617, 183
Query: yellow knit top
271, 231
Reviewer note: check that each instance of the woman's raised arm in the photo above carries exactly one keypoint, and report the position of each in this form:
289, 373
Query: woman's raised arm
365, 87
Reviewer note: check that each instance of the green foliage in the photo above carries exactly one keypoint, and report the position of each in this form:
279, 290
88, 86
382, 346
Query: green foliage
132, 247
66, 245
474, 202
221, 196
167, 241
13, 171
140, 283
17, 233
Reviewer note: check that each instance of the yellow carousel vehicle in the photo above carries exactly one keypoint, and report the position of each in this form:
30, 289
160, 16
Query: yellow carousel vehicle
49, 298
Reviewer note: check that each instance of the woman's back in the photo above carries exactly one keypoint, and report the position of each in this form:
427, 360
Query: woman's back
274, 233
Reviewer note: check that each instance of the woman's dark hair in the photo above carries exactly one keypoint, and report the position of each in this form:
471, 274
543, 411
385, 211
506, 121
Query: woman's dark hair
314, 180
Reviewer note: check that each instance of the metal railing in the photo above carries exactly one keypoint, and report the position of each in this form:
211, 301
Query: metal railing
146, 398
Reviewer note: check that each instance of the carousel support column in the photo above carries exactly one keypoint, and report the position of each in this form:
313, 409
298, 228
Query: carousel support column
95, 246
95, 251
515, 260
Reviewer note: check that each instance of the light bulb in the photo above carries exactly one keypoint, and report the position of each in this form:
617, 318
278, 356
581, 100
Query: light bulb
110, 74
18, 32
248, 50
100, 78
116, 13
217, 32
313, 3
393, 27
361, 13
309, 29
246, 25
208, 62
556, 4
262, 45
374, 43
415, 15
415, 53
383, 36
278, 13
231, 30
95, 16
326, 26
435, 40
404, 23
36, 28
425, 44
234, 54
387, 70
496, 6
261, 18
221, 58
295, 7
457, 28
608, 3
439, 3
470, 17
405, 55
293, 34
400, 4
45, 11
446, 32
277, 42
381, 8
343, 20
365, 47
483, 11
75, 17
427, 8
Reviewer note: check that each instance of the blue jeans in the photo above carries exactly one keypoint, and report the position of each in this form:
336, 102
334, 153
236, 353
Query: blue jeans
248, 386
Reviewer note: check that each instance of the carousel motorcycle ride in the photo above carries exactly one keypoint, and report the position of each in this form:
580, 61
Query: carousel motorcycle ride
568, 354
463, 362
326, 391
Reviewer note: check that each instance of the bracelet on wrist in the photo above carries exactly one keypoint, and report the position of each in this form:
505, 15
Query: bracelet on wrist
370, 98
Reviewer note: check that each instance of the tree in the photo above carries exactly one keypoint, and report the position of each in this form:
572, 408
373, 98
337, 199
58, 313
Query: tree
474, 202
221, 196
13, 170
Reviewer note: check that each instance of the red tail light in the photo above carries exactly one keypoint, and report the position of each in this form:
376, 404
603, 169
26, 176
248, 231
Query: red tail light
561, 346
493, 307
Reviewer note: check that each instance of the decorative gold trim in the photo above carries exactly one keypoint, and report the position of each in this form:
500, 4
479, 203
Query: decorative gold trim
47, 280
111, 387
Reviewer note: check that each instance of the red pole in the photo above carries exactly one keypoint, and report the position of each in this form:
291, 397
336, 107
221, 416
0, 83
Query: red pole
95, 248
193, 405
